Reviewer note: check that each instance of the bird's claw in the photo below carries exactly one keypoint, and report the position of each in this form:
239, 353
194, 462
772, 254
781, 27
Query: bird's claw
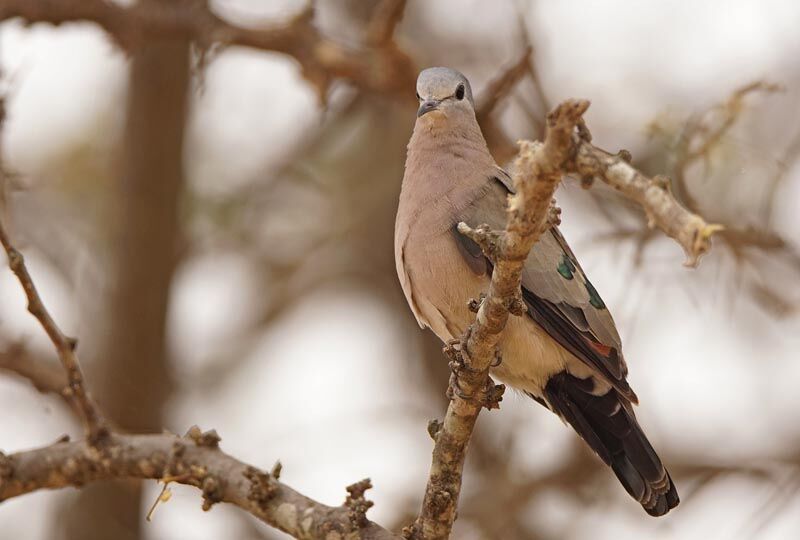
489, 396
498, 358
492, 394
474, 304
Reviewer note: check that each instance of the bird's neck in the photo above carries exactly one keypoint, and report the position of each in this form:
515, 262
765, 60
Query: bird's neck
441, 150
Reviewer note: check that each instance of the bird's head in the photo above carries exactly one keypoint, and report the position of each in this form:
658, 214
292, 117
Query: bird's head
443, 92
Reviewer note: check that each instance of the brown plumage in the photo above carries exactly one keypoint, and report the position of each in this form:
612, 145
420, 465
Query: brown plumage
565, 352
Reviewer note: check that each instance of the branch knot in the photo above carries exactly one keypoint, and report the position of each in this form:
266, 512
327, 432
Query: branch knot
209, 439
262, 488
490, 241
357, 504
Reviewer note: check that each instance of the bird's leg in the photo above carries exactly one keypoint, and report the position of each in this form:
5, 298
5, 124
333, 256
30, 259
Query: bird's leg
454, 350
498, 358
490, 395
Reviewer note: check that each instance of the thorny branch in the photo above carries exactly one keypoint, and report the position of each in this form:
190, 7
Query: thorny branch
106, 454
194, 461
65, 346
653, 194
538, 170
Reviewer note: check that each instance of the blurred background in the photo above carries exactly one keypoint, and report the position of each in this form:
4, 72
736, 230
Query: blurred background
215, 224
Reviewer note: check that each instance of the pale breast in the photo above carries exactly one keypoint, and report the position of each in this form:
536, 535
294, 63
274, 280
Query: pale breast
443, 284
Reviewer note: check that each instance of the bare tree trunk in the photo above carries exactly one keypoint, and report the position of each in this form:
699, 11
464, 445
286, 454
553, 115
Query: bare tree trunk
132, 381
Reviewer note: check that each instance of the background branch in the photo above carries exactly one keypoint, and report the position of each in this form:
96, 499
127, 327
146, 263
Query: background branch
45, 375
380, 66
195, 460
653, 194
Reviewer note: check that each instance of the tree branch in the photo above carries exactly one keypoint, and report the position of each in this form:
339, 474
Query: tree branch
46, 376
194, 460
65, 346
538, 170
690, 230
380, 66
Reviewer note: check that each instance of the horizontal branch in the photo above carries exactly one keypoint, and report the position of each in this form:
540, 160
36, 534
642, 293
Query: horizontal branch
537, 172
379, 66
663, 210
194, 460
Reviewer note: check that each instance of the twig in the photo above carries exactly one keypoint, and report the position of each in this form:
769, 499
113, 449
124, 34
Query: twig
653, 194
222, 478
499, 88
538, 170
502, 148
379, 67
65, 346
386, 17
702, 133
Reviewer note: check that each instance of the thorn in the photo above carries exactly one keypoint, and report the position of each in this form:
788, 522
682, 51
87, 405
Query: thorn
209, 439
516, 306
434, 427
553, 214
357, 503
583, 130
262, 489
625, 156
276, 470
212, 492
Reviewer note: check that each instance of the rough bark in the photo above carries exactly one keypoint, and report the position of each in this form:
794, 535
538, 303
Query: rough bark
194, 460
663, 210
538, 170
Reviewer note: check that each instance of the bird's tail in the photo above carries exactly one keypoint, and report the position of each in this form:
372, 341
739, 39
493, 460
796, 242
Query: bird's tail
608, 425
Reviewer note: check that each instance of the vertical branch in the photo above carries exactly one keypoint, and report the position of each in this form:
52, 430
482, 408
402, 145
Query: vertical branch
94, 424
132, 380
537, 172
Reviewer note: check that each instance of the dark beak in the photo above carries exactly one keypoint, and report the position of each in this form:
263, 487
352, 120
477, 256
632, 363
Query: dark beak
427, 106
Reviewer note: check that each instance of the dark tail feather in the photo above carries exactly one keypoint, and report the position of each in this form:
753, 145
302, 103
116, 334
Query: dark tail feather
608, 425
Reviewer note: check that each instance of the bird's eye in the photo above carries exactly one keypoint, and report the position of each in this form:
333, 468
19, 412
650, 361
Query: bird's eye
418, 98
460, 92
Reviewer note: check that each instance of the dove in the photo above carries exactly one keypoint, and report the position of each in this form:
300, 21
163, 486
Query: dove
565, 352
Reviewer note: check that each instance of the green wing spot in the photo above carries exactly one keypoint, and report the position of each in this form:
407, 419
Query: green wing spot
594, 298
566, 268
